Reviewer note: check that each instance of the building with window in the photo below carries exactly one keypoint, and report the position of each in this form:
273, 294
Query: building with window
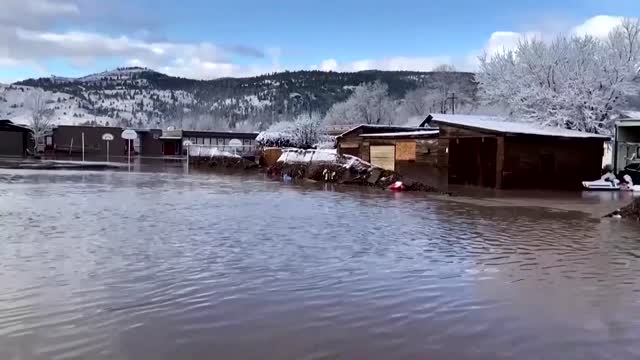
172, 140
68, 139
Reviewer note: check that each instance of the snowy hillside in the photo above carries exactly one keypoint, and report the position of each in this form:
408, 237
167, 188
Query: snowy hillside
145, 98
67, 109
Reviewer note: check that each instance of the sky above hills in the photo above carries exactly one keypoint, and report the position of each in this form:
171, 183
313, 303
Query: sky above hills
206, 39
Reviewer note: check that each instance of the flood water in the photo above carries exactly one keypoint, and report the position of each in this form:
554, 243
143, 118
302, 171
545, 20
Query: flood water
147, 266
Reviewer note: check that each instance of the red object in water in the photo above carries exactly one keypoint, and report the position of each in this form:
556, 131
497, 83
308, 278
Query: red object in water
397, 186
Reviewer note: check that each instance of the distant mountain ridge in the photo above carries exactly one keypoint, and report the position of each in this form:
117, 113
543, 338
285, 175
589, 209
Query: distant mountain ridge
142, 97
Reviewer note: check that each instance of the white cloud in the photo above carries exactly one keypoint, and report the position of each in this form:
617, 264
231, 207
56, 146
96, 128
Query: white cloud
195, 68
598, 26
30, 35
329, 65
36, 13
501, 41
393, 63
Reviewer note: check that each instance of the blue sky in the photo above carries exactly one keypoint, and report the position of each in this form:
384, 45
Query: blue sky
208, 39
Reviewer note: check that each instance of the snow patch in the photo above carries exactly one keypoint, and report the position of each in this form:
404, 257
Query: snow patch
322, 156
207, 151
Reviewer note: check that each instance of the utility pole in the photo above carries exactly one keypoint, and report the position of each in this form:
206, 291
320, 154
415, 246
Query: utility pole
453, 103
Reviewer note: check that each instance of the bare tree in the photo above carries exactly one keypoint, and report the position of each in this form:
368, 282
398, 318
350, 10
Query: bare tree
41, 116
369, 104
444, 68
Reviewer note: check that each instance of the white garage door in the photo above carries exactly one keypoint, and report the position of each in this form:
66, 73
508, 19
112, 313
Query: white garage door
383, 156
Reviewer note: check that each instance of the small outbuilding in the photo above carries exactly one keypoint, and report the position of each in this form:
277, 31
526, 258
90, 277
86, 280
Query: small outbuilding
14, 139
494, 152
410, 151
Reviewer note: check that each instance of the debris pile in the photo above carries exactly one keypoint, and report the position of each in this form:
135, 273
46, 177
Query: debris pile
201, 156
328, 166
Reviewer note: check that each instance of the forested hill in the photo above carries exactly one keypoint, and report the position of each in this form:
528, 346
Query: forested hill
146, 98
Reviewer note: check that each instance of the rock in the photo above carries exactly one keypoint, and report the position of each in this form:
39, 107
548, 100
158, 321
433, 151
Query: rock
374, 176
631, 211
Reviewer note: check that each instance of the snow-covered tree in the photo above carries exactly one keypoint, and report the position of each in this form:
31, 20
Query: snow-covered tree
304, 132
41, 120
369, 104
444, 68
573, 82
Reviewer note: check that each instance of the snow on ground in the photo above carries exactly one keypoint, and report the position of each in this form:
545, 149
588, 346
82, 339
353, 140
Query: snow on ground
67, 110
113, 104
253, 100
208, 151
309, 157
119, 74
298, 156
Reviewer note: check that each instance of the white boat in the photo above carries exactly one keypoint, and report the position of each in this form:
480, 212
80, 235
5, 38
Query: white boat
601, 185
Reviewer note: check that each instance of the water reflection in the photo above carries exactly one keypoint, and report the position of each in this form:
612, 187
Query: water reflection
164, 266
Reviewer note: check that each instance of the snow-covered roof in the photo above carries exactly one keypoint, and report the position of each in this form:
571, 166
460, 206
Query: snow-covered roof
630, 115
628, 122
374, 128
8, 124
416, 120
504, 125
405, 133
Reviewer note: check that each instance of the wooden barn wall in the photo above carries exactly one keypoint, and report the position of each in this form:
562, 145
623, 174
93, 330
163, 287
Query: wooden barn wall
537, 162
12, 143
452, 132
424, 167
270, 156
150, 143
93, 143
351, 145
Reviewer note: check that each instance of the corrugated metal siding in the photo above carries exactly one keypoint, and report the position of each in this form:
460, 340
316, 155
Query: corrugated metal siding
383, 156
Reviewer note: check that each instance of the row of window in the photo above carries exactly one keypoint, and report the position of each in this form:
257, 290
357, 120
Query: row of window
219, 141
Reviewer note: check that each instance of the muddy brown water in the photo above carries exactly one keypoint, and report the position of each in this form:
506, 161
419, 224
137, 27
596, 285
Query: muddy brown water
111, 265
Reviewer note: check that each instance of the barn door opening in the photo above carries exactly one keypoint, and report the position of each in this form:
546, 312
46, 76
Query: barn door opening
472, 161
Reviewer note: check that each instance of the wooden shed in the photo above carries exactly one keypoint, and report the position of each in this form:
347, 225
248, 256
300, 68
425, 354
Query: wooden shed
410, 151
493, 152
14, 139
